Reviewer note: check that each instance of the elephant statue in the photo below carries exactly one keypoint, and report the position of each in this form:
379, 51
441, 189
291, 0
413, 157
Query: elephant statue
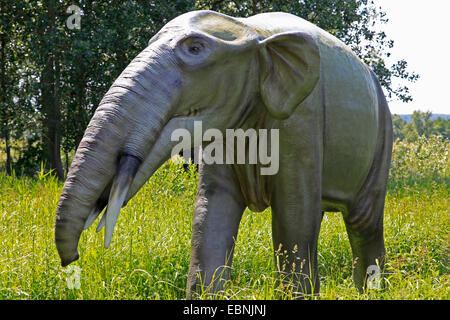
268, 71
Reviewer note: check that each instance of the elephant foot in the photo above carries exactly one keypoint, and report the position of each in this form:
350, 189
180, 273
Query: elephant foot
207, 285
296, 286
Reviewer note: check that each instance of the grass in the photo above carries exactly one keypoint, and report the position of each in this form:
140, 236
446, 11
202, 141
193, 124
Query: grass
149, 256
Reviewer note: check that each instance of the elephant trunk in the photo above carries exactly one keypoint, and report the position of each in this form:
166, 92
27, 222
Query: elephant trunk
123, 130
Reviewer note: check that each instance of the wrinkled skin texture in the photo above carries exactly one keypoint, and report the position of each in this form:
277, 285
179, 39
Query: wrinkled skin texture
272, 70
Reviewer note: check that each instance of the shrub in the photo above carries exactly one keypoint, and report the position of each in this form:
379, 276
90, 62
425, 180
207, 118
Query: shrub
423, 162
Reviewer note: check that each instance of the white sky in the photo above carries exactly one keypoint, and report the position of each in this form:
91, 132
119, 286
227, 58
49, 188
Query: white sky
421, 33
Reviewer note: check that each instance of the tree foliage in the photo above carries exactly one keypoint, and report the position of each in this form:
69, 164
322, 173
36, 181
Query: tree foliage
52, 78
421, 124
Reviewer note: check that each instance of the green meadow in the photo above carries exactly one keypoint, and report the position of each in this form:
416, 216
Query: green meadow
149, 255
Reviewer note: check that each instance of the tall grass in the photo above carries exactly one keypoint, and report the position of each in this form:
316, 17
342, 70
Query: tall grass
149, 256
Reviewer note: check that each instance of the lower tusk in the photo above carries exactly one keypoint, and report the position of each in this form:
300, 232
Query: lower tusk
101, 224
95, 212
125, 173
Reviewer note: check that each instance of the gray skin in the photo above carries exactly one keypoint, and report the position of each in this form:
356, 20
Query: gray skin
272, 70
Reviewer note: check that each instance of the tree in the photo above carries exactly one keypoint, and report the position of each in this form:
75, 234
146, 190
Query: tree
4, 103
421, 124
441, 127
399, 124
12, 59
50, 86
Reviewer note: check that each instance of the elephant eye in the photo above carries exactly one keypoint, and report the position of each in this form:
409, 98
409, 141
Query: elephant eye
195, 48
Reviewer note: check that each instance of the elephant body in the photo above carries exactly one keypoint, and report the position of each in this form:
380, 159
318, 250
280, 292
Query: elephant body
344, 106
269, 71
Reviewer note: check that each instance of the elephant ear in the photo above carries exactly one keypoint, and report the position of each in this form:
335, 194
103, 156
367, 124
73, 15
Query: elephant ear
290, 70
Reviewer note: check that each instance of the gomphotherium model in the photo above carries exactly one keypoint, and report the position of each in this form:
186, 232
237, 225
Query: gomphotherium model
272, 71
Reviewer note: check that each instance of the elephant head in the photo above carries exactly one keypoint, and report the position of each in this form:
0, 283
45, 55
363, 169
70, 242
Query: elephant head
202, 66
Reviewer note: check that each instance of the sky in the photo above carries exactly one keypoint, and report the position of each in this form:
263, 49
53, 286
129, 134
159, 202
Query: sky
421, 33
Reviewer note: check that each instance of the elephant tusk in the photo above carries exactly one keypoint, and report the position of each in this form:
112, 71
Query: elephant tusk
125, 173
95, 212
98, 207
92, 216
101, 224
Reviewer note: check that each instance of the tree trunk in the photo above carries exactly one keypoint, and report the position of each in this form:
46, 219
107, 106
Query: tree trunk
4, 108
81, 112
50, 99
8, 153
67, 162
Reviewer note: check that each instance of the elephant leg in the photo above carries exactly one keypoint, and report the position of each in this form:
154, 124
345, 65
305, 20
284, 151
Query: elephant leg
364, 224
295, 236
364, 219
217, 214
296, 220
296, 201
366, 240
